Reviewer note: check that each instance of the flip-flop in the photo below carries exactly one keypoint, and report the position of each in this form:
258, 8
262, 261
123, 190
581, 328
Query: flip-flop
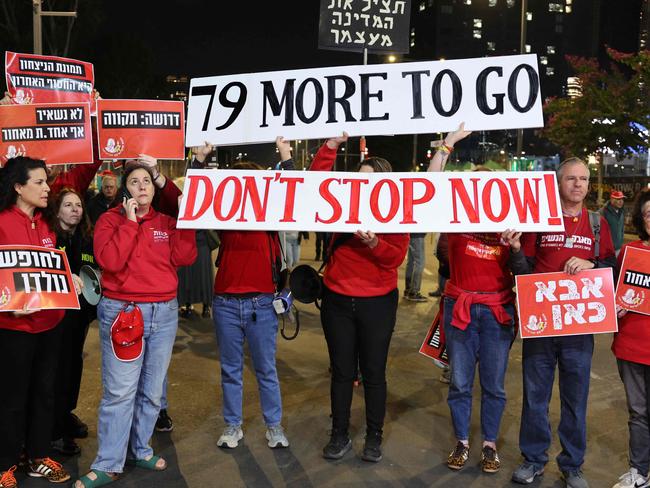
148, 463
103, 478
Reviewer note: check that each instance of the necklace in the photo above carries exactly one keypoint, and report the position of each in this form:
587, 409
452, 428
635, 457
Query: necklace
568, 236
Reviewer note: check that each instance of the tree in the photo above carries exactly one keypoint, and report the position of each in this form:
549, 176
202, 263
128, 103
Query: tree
612, 114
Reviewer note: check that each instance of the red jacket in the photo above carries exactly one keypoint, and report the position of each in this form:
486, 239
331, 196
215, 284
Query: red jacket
139, 260
245, 259
353, 268
632, 341
16, 228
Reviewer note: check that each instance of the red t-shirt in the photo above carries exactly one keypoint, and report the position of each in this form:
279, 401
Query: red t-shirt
552, 249
632, 342
479, 262
245, 259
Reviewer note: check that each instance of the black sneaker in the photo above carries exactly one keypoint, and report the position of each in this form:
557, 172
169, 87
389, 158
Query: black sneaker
67, 447
372, 447
164, 422
76, 428
338, 445
416, 297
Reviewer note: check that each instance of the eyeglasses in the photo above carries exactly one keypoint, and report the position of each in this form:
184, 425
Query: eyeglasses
646, 215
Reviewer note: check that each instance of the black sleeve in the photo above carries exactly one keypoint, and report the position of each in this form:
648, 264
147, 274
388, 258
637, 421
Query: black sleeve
519, 263
288, 164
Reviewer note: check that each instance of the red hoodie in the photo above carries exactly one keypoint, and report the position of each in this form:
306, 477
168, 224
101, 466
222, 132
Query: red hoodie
16, 228
632, 342
354, 269
139, 260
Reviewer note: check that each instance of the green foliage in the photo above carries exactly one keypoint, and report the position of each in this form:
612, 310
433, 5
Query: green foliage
602, 118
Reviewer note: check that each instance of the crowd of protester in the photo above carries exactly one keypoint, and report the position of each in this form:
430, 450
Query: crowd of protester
152, 272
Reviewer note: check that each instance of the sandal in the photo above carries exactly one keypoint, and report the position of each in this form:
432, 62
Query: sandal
150, 463
102, 478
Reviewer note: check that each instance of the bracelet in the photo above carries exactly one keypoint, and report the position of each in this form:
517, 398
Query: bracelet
444, 150
448, 147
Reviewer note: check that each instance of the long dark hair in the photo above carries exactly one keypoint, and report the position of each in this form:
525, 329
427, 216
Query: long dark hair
637, 214
16, 170
85, 227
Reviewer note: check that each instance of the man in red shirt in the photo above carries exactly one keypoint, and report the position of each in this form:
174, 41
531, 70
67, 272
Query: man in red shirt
571, 251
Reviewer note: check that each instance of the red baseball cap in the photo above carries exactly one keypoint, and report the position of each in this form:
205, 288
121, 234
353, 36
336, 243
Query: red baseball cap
126, 334
616, 194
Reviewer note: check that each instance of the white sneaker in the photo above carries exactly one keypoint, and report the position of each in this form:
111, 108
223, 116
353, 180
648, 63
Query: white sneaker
632, 479
275, 436
231, 436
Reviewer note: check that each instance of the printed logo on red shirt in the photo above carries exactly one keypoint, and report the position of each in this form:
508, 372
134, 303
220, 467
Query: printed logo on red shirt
160, 236
47, 242
483, 251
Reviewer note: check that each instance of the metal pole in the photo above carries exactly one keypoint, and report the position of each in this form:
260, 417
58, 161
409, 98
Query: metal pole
38, 37
414, 160
522, 49
362, 154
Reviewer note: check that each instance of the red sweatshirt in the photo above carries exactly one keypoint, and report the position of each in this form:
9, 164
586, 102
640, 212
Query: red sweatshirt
632, 342
139, 260
16, 228
353, 268
245, 259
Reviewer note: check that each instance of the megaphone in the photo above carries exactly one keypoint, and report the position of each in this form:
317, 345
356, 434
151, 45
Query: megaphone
92, 290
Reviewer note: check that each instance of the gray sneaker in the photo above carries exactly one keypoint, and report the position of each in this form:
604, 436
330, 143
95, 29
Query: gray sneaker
275, 436
526, 473
575, 479
231, 436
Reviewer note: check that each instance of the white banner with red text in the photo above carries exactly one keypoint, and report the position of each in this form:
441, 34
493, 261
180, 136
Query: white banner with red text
501, 92
379, 202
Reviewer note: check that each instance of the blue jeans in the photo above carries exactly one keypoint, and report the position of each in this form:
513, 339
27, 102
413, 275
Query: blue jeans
415, 263
131, 395
292, 251
163, 399
572, 355
235, 320
487, 342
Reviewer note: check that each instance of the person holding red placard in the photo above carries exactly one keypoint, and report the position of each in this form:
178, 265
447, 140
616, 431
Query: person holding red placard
478, 318
586, 243
358, 315
631, 347
29, 339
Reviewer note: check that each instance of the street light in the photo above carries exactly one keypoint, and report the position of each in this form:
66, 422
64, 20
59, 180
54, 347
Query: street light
38, 13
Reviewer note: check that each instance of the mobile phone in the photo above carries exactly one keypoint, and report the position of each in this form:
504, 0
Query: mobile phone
125, 193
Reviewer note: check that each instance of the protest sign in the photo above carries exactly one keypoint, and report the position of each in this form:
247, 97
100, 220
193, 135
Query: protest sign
57, 133
38, 277
128, 128
634, 281
397, 98
381, 202
33, 78
559, 304
434, 345
355, 25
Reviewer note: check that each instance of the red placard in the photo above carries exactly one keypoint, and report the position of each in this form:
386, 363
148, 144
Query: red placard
48, 79
58, 133
128, 128
633, 288
38, 277
559, 304
434, 345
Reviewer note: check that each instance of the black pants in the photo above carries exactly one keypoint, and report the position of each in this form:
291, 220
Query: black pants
74, 328
27, 375
358, 331
322, 240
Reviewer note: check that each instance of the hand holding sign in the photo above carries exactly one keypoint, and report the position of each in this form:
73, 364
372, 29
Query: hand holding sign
512, 238
574, 265
335, 142
370, 239
202, 152
458, 135
284, 148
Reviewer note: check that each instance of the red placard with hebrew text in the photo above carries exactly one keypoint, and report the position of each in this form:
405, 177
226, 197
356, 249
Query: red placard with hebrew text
128, 128
36, 278
559, 304
33, 78
58, 133
633, 288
